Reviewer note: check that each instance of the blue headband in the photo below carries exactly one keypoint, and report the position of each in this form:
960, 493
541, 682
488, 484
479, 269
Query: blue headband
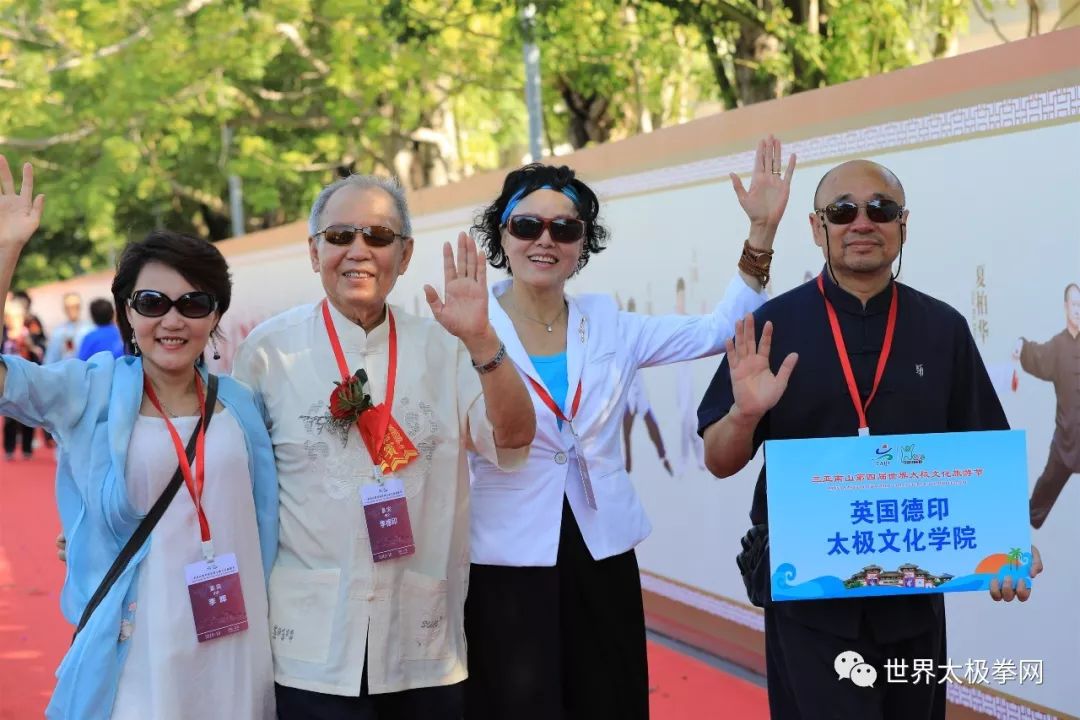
567, 190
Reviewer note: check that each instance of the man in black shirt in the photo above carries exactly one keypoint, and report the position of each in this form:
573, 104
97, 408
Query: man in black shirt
931, 380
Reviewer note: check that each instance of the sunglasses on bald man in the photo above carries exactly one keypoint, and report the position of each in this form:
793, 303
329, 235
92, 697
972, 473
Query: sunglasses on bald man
844, 212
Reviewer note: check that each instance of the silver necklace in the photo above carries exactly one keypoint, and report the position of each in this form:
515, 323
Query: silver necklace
548, 325
161, 402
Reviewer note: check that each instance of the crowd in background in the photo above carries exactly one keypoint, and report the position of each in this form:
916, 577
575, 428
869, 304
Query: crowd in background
24, 335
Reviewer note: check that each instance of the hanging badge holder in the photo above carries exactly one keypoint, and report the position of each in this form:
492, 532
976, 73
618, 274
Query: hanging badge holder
579, 451
583, 469
385, 509
387, 515
217, 600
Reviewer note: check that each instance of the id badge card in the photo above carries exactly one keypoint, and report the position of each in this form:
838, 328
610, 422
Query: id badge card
387, 515
217, 600
583, 469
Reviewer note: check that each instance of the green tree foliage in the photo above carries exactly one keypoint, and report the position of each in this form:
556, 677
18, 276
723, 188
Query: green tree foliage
137, 112
764, 49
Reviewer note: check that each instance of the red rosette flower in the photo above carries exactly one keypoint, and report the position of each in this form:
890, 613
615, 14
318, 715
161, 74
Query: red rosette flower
348, 399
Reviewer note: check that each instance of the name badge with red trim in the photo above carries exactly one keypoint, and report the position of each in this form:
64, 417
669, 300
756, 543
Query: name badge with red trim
387, 515
217, 600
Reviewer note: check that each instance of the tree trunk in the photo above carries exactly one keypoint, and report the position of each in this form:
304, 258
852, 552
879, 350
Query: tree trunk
589, 118
642, 116
218, 226
753, 47
808, 14
727, 90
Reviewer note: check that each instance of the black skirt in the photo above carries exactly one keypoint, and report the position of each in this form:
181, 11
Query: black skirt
557, 642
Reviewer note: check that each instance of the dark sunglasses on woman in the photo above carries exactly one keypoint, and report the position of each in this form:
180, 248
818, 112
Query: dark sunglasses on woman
845, 211
374, 235
561, 230
151, 303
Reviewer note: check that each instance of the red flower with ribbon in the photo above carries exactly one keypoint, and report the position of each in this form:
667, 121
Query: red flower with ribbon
348, 401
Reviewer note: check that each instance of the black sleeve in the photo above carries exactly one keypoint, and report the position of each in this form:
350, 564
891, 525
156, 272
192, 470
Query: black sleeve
718, 398
973, 402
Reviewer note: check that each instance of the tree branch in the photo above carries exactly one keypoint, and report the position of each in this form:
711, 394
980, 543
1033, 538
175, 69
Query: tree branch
324, 166
19, 37
1034, 13
47, 142
741, 12
42, 163
282, 96
187, 10
977, 4
200, 196
293, 36
1065, 15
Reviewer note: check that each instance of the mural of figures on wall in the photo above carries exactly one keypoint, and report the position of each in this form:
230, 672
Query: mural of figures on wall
691, 447
638, 404
1057, 361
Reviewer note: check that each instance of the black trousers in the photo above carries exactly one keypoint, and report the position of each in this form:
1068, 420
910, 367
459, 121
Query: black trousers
13, 431
430, 703
803, 683
557, 643
1048, 487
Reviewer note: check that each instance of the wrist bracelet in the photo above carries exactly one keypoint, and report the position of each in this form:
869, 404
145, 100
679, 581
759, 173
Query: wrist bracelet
756, 262
493, 363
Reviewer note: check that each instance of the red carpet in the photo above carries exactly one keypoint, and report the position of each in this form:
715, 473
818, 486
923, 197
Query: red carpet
33, 635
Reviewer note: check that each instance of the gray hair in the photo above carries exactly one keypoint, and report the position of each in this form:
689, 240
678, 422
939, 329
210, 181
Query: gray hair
389, 185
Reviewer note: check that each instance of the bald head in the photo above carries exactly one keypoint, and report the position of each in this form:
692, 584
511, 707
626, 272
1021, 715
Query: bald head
835, 183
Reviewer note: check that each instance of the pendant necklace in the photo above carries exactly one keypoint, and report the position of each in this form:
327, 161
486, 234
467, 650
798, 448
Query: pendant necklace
547, 325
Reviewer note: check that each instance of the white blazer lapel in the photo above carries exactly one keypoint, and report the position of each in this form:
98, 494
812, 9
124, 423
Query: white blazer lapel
577, 338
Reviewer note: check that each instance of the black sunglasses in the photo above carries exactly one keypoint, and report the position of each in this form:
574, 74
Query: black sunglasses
561, 230
151, 303
845, 211
374, 235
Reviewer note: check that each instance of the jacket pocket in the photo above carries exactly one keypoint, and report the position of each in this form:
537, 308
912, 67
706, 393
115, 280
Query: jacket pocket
424, 617
303, 604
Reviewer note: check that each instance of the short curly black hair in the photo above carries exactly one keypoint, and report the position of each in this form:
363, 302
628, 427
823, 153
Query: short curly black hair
487, 227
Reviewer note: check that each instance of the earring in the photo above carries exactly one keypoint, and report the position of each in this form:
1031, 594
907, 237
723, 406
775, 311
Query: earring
213, 342
135, 345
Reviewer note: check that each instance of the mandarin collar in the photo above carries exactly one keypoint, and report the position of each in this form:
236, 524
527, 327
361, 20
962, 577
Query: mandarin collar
354, 338
843, 300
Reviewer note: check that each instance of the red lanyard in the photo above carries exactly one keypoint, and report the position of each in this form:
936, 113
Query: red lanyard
546, 398
193, 481
384, 409
845, 361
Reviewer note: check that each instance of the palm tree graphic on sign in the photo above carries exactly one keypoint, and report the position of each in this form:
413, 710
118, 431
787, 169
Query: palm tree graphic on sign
1014, 556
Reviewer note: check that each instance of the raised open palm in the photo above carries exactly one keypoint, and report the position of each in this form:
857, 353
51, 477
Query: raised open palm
20, 213
755, 388
464, 309
765, 201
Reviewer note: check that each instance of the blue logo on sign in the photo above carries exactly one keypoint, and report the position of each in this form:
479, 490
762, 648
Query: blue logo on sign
883, 455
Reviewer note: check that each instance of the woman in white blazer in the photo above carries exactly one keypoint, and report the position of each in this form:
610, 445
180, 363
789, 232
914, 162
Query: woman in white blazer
554, 616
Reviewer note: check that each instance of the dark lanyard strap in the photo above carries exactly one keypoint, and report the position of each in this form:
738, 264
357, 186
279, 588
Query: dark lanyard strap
143, 531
